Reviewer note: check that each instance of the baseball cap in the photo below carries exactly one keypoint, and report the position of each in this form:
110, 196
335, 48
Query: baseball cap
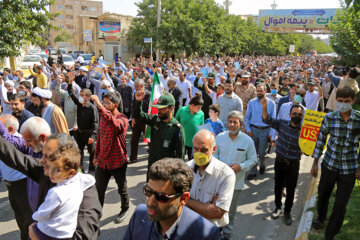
245, 75
211, 75
165, 101
311, 82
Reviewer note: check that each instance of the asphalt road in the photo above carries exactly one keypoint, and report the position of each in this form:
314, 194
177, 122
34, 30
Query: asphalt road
253, 219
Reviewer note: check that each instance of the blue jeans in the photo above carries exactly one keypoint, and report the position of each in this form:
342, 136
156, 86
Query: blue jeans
260, 137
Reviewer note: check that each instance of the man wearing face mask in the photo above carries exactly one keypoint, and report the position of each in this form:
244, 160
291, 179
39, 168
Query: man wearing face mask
87, 122
247, 91
214, 181
167, 134
341, 162
288, 155
283, 113
229, 102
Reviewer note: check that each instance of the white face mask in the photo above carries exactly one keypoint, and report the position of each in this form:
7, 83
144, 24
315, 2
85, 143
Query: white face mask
81, 100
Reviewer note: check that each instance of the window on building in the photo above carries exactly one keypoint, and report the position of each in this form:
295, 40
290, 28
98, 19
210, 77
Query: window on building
60, 7
68, 7
93, 9
61, 16
62, 26
69, 27
69, 17
84, 8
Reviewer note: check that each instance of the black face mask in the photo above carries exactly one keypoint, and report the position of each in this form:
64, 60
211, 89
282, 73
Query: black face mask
244, 82
296, 120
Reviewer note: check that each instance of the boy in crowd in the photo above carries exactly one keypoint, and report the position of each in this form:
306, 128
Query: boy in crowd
216, 124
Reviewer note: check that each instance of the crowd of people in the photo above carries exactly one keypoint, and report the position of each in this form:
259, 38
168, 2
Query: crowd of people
210, 130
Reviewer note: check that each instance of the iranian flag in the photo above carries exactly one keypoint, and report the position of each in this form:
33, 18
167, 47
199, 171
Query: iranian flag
154, 98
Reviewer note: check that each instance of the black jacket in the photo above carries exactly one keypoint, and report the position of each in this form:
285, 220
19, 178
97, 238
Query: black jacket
90, 209
176, 92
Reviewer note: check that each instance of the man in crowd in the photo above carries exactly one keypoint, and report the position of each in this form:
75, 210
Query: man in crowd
190, 117
247, 91
137, 125
41, 78
288, 155
257, 129
87, 122
53, 115
17, 104
110, 153
211, 85
177, 94
288, 98
214, 181
35, 132
185, 87
341, 164
16, 184
228, 102
167, 134
167, 192
298, 98
312, 96
237, 150
126, 92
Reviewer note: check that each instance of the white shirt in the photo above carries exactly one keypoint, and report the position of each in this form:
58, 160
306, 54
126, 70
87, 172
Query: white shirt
80, 59
240, 151
284, 112
218, 179
57, 215
312, 100
184, 87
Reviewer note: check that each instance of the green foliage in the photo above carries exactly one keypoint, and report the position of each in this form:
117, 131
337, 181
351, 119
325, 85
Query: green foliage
63, 36
22, 21
202, 27
346, 33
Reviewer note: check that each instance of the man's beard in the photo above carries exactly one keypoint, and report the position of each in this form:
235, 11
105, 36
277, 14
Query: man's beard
39, 147
166, 214
234, 132
228, 92
164, 116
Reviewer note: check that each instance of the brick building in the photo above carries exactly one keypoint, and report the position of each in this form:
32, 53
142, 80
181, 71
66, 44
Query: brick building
70, 10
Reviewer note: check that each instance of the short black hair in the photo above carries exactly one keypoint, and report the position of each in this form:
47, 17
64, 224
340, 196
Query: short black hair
345, 92
354, 72
174, 170
291, 85
296, 106
229, 81
215, 107
114, 97
196, 101
86, 91
17, 96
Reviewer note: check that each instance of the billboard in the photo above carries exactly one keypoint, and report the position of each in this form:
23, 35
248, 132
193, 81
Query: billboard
87, 35
109, 30
297, 20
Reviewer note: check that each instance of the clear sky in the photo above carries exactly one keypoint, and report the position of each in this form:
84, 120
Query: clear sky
128, 7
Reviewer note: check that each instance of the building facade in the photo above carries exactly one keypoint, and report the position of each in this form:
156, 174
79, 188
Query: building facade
70, 11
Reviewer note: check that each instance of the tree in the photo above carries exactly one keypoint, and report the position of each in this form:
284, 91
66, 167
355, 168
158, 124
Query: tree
22, 21
346, 33
63, 36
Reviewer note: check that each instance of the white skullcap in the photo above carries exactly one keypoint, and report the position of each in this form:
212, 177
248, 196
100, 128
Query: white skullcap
44, 93
84, 69
105, 83
10, 83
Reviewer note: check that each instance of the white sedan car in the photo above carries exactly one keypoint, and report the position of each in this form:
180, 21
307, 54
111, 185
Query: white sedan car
68, 60
30, 60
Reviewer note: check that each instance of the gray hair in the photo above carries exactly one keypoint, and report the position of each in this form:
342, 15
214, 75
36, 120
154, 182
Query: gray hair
11, 121
64, 141
171, 80
36, 126
141, 82
105, 83
236, 114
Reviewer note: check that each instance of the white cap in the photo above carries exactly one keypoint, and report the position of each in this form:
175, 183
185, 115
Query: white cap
44, 93
84, 69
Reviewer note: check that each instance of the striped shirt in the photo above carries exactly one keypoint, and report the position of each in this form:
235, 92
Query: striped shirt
287, 145
342, 148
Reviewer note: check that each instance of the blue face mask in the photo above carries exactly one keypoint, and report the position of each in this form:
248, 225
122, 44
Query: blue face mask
298, 99
67, 93
344, 107
22, 93
16, 78
104, 91
273, 91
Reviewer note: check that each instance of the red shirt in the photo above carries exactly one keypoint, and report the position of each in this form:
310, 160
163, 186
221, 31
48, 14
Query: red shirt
111, 141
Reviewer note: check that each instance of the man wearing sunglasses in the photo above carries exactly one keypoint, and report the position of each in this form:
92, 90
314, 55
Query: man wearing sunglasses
165, 216
288, 155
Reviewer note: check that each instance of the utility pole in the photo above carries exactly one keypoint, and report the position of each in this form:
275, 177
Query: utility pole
227, 3
274, 5
158, 25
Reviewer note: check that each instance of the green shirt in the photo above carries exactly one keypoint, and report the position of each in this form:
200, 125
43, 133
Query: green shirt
190, 123
167, 138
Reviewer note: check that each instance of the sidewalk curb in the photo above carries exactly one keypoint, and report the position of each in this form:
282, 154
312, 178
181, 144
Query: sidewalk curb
307, 216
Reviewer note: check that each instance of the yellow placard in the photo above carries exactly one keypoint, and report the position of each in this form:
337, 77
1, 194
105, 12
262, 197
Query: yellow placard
310, 131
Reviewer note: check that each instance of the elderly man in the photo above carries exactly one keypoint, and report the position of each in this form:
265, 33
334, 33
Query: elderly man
165, 215
16, 184
35, 132
51, 113
229, 102
176, 92
214, 181
237, 150
126, 92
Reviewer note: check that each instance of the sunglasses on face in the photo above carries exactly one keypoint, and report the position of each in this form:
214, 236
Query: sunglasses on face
300, 94
160, 197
